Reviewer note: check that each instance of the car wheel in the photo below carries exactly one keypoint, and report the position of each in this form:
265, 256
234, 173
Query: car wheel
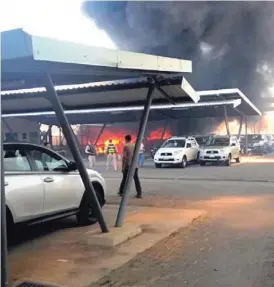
238, 159
184, 162
228, 161
202, 163
86, 215
158, 165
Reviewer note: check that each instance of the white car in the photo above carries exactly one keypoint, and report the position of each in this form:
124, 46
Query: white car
41, 185
221, 149
177, 151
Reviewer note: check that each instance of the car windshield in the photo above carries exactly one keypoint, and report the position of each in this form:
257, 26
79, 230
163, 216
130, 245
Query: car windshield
218, 142
254, 138
201, 140
174, 143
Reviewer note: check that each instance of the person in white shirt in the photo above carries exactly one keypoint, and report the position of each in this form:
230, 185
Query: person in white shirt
141, 158
90, 151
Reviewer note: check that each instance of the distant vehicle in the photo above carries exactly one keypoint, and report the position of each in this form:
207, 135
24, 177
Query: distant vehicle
242, 143
220, 149
270, 142
177, 151
41, 185
257, 144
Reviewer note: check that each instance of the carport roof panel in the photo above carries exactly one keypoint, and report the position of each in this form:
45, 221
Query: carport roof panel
24, 56
157, 113
129, 92
246, 107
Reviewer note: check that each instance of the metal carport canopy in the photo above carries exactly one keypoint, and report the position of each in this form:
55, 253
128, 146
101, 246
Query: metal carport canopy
210, 105
29, 61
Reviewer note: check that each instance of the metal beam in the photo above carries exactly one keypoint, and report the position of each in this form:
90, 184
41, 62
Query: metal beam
240, 127
72, 143
4, 248
246, 136
50, 135
142, 127
164, 130
100, 133
165, 95
226, 121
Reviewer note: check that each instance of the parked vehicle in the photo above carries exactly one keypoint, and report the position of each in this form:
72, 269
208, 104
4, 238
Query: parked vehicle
203, 139
41, 185
257, 144
270, 143
220, 149
177, 151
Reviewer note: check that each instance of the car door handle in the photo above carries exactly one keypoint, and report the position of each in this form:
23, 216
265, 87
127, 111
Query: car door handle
48, 179
6, 183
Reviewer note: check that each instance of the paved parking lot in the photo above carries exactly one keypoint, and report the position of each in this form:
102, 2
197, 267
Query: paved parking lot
236, 238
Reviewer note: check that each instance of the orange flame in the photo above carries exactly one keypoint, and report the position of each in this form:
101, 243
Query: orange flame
117, 135
264, 125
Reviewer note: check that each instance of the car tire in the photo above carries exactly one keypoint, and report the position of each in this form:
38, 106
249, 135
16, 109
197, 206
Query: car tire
184, 162
158, 165
10, 224
238, 159
228, 161
202, 163
86, 215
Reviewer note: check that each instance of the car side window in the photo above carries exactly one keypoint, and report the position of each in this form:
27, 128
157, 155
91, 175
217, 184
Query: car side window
47, 162
188, 145
16, 160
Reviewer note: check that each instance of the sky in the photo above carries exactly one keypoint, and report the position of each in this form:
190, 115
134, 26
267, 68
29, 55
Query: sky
57, 19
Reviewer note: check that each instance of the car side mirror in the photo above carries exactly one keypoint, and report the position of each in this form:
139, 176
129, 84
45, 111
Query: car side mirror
188, 145
233, 144
72, 166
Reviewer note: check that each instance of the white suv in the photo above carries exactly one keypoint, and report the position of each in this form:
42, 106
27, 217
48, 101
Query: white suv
221, 149
177, 151
41, 185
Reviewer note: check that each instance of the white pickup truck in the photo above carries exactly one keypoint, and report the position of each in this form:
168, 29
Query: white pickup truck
177, 151
221, 149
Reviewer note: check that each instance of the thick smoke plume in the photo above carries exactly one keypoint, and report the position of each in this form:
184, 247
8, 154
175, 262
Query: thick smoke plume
231, 44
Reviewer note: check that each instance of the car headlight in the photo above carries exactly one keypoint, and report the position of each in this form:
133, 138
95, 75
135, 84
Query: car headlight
177, 152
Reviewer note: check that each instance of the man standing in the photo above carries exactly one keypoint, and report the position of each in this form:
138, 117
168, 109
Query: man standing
120, 147
141, 158
90, 151
111, 155
126, 161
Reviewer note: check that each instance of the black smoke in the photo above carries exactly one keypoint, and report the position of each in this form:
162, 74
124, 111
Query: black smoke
230, 43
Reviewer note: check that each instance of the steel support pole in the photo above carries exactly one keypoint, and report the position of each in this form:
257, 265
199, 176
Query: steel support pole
164, 130
4, 248
240, 127
100, 133
72, 144
142, 127
50, 135
226, 121
246, 136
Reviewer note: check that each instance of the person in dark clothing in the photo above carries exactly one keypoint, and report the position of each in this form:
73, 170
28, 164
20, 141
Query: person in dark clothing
126, 161
91, 152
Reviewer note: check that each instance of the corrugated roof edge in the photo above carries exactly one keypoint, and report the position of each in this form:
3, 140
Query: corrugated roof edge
88, 85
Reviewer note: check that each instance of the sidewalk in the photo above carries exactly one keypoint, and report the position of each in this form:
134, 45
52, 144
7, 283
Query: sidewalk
66, 257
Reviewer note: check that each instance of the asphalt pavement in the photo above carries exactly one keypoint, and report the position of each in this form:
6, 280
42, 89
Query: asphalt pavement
232, 246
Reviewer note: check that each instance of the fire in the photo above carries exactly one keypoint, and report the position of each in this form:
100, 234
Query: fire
263, 125
117, 135
158, 134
